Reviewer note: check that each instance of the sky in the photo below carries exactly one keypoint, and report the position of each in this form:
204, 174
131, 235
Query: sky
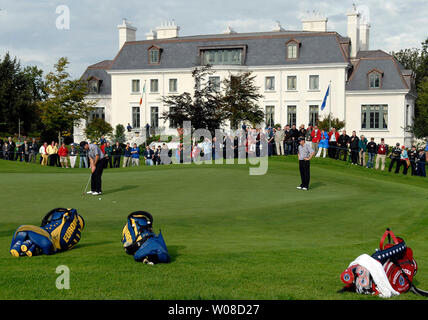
36, 32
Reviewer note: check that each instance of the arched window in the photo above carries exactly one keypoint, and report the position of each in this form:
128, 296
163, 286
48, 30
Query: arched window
293, 48
154, 54
375, 79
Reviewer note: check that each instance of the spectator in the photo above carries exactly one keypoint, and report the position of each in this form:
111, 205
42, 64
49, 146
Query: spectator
63, 155
25, 150
5, 149
421, 162
128, 127
83, 158
371, 150
73, 156
117, 153
404, 160
127, 155
316, 138
362, 145
395, 158
108, 155
157, 156
18, 152
34, 148
333, 137
102, 140
413, 154
57, 158
279, 141
354, 145
135, 155
52, 152
148, 156
10, 149
382, 152
270, 140
44, 153
342, 146
323, 144
294, 137
207, 149
288, 140
309, 133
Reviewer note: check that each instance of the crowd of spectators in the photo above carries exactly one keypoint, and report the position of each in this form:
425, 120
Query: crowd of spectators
247, 143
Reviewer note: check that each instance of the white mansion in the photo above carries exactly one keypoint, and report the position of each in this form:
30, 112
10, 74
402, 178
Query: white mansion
370, 89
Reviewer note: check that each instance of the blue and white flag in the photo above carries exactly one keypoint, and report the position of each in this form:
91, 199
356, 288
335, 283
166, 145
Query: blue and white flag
325, 98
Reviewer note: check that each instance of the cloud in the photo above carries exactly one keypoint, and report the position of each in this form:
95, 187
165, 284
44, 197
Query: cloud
29, 32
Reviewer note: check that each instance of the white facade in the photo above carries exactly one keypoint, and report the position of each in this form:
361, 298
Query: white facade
127, 86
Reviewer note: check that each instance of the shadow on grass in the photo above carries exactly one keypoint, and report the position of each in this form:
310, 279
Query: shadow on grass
92, 244
173, 252
123, 188
316, 185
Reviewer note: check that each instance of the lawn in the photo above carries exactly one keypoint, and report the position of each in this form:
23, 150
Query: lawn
230, 235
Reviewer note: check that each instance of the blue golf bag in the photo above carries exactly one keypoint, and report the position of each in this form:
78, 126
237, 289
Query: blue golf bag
60, 230
139, 240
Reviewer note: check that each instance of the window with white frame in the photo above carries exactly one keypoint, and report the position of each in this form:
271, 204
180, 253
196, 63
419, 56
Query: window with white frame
291, 115
270, 116
375, 80
292, 50
154, 85
172, 85
136, 117
314, 82
313, 114
270, 83
291, 83
374, 116
135, 86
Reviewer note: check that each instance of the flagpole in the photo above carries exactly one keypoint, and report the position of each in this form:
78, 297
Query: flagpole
329, 109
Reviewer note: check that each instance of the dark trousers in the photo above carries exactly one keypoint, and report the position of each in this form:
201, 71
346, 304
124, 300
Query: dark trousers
116, 161
354, 156
304, 167
332, 150
391, 165
404, 164
107, 162
96, 176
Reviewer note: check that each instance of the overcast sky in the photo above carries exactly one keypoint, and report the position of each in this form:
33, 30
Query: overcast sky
28, 27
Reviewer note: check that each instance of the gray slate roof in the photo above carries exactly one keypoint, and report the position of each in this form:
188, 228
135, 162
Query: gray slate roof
369, 60
263, 49
99, 71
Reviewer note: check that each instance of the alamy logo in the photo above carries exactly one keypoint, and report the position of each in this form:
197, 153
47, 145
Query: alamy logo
63, 280
63, 20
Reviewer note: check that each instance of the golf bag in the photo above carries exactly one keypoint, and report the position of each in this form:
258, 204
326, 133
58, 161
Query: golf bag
387, 272
139, 240
60, 230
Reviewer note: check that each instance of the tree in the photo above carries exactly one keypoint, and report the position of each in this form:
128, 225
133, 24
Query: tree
97, 128
20, 90
417, 60
329, 122
203, 108
65, 104
119, 134
420, 126
240, 101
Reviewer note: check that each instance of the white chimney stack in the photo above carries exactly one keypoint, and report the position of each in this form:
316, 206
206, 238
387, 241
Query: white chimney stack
365, 36
167, 30
126, 33
354, 30
315, 23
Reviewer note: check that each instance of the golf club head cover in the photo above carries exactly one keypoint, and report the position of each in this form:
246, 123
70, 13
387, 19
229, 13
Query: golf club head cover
65, 227
30, 240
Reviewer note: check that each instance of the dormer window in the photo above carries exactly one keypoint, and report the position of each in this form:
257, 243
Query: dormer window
293, 47
94, 85
154, 55
375, 79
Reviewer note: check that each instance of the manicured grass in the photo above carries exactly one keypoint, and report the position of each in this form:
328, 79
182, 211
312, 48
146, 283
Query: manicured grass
230, 235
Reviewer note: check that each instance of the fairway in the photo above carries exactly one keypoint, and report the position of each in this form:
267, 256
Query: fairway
230, 235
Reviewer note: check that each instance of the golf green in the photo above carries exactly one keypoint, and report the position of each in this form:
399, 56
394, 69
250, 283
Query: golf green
230, 235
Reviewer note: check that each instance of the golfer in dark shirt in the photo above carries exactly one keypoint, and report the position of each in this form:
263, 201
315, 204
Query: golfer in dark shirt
305, 155
96, 164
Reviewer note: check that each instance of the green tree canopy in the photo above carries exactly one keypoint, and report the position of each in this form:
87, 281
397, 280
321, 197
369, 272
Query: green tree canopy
65, 104
97, 128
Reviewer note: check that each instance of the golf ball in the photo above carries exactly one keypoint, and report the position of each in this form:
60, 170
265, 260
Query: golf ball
99, 198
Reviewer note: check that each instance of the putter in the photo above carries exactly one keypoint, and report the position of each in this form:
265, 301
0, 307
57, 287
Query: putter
84, 192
